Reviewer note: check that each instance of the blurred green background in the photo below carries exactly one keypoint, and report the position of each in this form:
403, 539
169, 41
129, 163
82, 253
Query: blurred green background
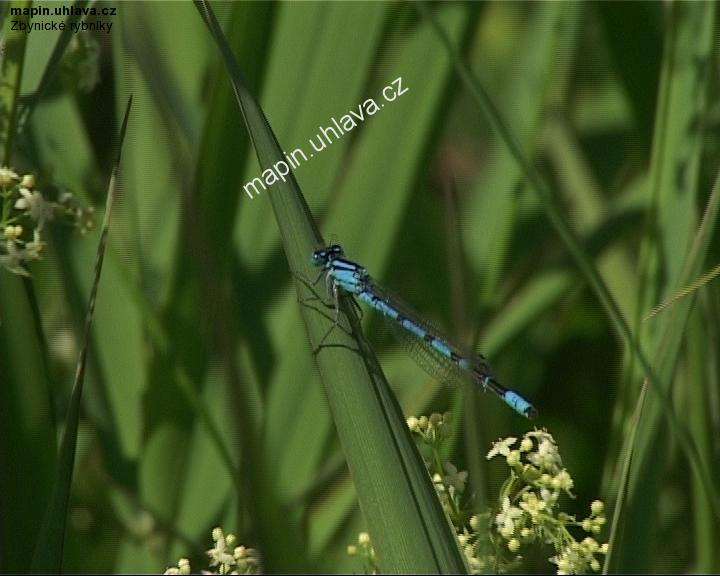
615, 103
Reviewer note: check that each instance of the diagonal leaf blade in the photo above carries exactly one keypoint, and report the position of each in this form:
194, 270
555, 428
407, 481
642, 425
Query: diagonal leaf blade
49, 549
409, 529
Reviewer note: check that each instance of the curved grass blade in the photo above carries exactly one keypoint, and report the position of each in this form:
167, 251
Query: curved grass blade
657, 380
672, 259
51, 540
670, 340
409, 529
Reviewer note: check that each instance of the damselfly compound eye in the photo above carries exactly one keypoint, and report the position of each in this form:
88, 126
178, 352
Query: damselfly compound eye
325, 255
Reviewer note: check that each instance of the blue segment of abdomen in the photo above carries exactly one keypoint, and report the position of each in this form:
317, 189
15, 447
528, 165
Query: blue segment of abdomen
411, 326
518, 403
441, 347
391, 312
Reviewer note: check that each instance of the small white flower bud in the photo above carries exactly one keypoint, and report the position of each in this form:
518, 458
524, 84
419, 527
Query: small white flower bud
184, 566
513, 458
7, 176
591, 544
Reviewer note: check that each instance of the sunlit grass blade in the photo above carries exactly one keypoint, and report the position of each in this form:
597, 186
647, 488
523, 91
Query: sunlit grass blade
408, 527
51, 538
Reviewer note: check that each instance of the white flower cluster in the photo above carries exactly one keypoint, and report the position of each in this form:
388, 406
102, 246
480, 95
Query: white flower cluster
431, 429
528, 511
24, 213
364, 549
224, 556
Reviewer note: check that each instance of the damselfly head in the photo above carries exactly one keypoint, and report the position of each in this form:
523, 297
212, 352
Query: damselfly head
324, 255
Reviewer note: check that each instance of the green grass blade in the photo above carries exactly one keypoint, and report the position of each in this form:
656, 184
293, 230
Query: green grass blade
11, 123
674, 257
312, 59
27, 401
52, 67
408, 527
376, 170
685, 291
11, 74
624, 475
51, 539
705, 524
657, 379
670, 337
28, 441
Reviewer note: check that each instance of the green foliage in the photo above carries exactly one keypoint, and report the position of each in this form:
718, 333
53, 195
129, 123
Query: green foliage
548, 179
